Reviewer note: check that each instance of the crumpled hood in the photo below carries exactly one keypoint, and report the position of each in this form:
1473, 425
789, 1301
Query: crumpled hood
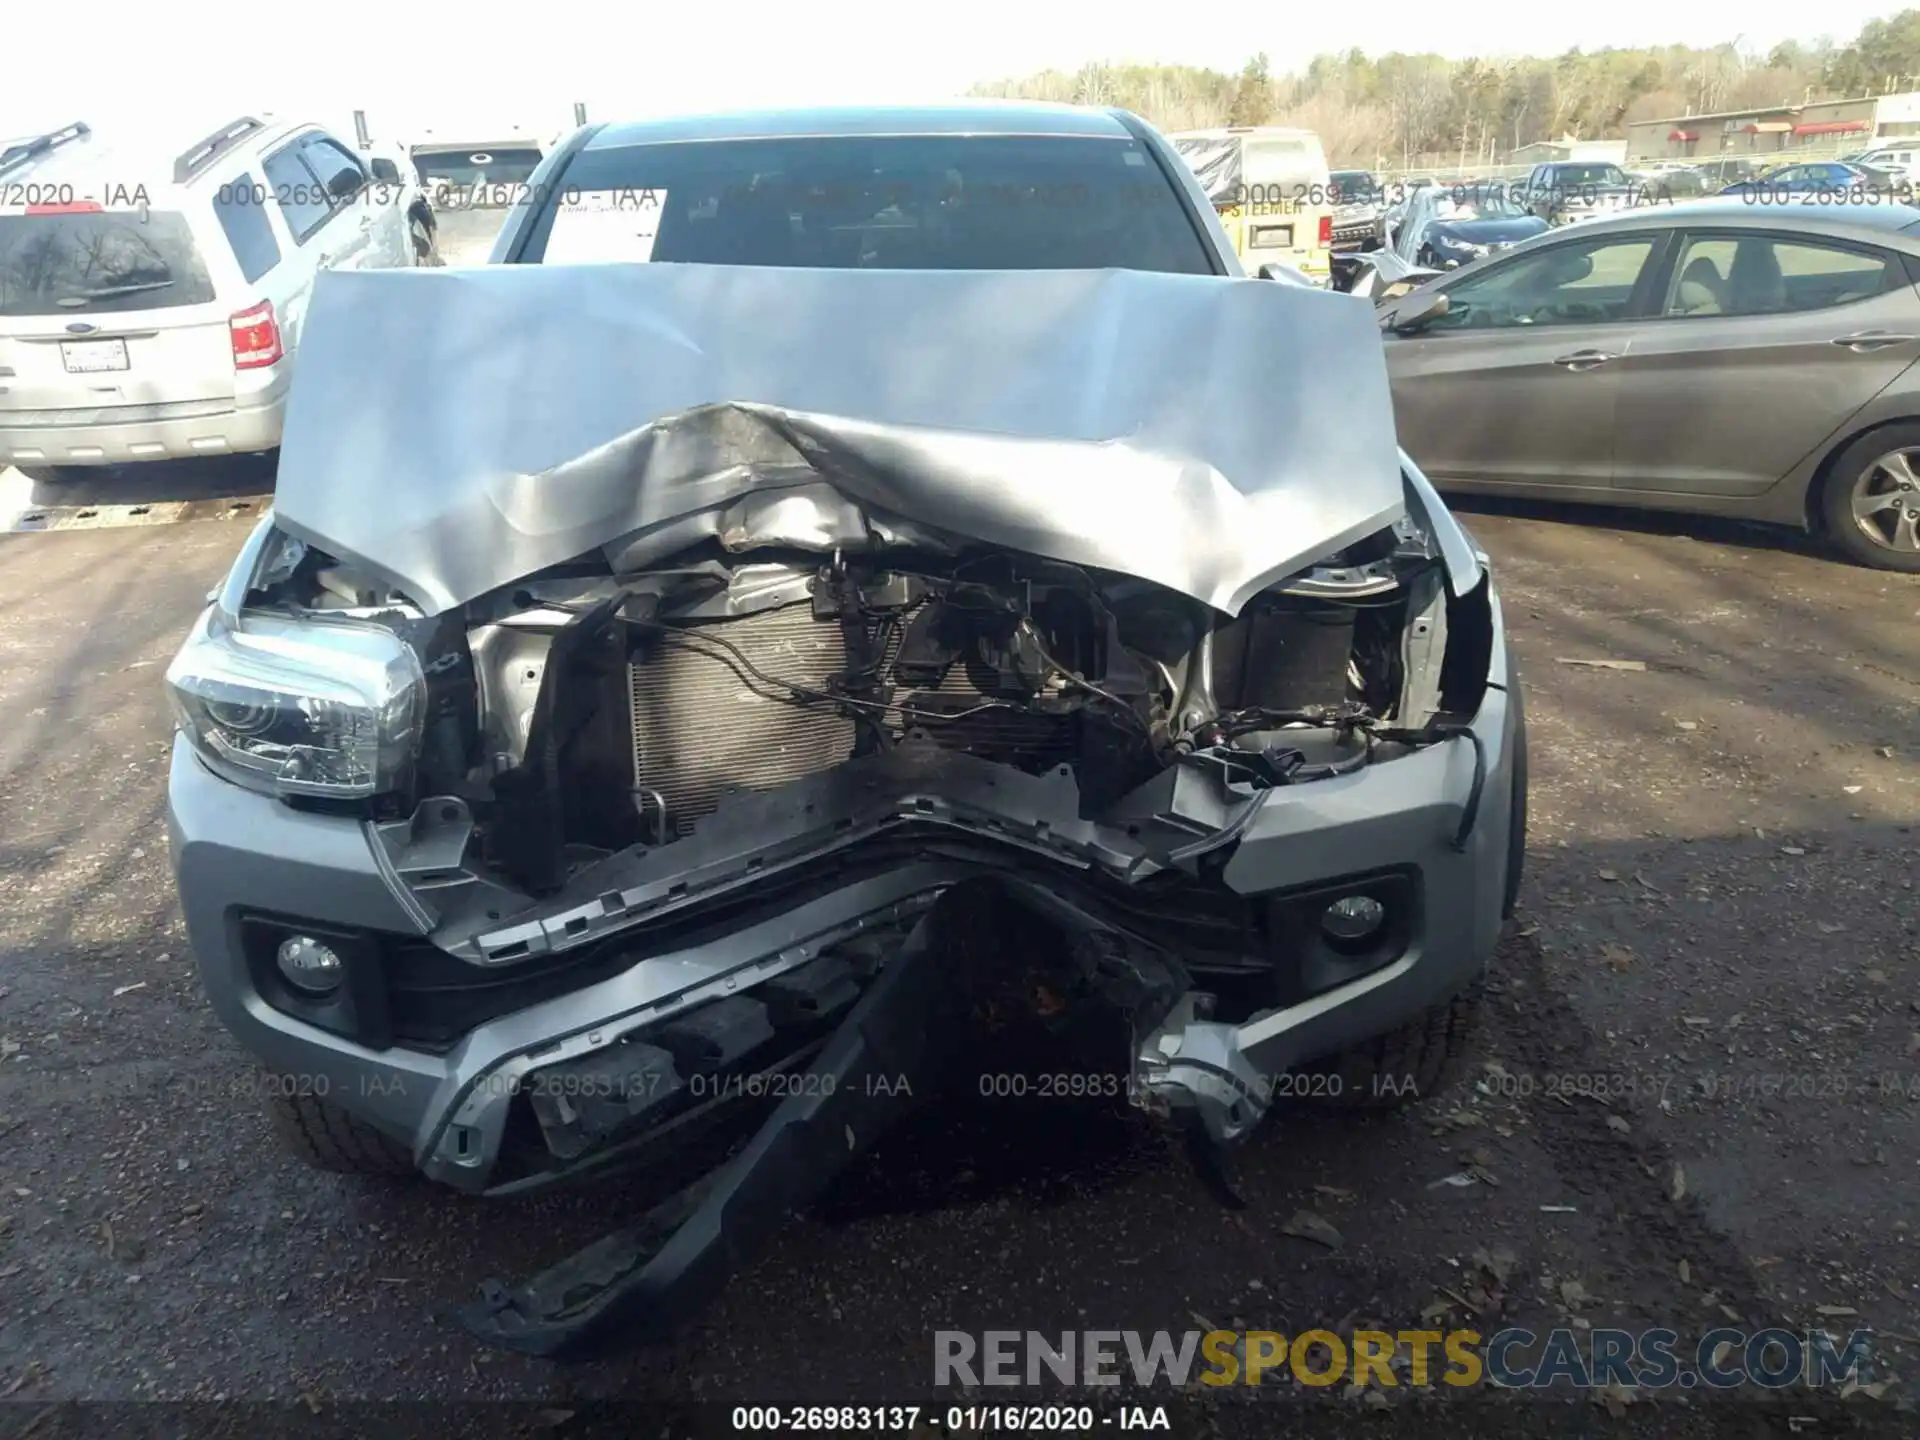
455, 430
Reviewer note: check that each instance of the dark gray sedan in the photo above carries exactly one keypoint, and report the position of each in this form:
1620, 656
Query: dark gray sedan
1717, 356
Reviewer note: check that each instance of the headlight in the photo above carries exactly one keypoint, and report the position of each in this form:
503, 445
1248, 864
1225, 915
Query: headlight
331, 708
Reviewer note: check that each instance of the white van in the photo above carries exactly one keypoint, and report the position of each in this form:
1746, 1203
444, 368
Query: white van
1273, 191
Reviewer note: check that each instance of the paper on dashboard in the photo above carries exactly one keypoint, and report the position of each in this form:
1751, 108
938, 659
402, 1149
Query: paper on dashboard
598, 226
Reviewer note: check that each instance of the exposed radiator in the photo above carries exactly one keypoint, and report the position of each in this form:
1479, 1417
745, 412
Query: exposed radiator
700, 730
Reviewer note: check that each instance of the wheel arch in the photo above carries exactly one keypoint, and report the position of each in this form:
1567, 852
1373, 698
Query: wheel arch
1813, 504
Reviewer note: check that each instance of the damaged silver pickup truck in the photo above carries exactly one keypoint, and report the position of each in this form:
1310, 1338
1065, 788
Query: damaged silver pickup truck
679, 713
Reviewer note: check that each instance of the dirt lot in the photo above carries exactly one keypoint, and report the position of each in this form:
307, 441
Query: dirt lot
1702, 1049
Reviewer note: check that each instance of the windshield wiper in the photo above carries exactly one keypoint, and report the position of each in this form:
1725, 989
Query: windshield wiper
111, 292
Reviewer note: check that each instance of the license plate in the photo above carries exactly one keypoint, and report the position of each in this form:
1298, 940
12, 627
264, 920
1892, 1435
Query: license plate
87, 357
1270, 237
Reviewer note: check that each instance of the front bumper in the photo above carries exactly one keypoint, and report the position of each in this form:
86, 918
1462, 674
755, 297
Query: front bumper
237, 853
1574, 215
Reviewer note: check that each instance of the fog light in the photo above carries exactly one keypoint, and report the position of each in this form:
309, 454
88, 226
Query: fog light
309, 965
1356, 918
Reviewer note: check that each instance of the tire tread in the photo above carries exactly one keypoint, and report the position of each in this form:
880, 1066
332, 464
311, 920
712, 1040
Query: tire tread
1413, 1063
328, 1138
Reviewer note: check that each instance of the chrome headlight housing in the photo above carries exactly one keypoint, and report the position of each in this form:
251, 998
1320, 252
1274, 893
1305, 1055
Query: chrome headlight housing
329, 708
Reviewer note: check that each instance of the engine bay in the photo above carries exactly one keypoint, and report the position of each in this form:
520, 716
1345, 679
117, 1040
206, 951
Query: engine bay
583, 712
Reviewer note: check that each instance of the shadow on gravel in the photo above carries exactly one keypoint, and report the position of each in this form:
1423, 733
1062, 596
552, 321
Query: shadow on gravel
1710, 529
217, 477
968, 1150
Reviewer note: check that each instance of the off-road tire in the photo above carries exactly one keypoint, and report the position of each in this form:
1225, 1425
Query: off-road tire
328, 1138
1412, 1063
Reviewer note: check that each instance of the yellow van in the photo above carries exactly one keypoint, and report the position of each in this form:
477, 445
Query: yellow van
1271, 186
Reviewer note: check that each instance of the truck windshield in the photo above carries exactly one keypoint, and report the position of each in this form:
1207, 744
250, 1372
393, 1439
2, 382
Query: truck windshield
476, 165
888, 202
1587, 175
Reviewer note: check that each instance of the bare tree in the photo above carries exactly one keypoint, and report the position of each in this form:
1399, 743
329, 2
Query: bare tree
1360, 135
1369, 109
1094, 85
1416, 91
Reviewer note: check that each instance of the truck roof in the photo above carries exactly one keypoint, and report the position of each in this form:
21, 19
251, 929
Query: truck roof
959, 117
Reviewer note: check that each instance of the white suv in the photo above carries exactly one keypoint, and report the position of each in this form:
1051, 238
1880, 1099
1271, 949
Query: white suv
151, 305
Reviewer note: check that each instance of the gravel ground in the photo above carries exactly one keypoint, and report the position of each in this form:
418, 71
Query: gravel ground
1702, 1047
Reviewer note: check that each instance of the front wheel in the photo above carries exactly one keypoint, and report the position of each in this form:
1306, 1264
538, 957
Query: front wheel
328, 1138
1415, 1062
1871, 502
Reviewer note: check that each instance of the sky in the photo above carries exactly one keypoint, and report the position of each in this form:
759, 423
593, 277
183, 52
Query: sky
193, 65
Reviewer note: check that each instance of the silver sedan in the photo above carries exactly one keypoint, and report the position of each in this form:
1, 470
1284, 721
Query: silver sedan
1720, 356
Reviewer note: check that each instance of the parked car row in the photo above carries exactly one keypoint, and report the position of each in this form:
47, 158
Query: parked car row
1717, 357
1870, 172
1564, 192
1433, 229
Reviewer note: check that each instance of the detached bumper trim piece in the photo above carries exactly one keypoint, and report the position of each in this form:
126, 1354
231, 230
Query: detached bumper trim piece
641, 1282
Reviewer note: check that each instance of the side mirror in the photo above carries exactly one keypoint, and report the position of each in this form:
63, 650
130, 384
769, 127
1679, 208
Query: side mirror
1421, 310
385, 171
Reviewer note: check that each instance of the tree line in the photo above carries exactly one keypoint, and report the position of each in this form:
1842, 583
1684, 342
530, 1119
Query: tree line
1395, 108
